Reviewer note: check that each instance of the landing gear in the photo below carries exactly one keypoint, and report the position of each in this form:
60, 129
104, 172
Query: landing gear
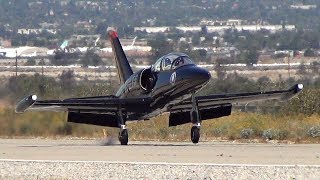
123, 137
195, 119
123, 134
195, 134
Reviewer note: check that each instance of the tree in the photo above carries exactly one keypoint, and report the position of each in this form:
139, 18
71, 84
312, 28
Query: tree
62, 58
160, 46
302, 69
67, 80
91, 59
220, 70
204, 30
249, 57
252, 57
309, 53
264, 83
195, 40
198, 55
30, 62
315, 66
101, 29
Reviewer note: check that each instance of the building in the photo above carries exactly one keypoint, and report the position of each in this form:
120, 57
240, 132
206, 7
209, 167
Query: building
303, 7
35, 31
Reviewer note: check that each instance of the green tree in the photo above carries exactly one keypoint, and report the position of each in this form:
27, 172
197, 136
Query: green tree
249, 57
315, 67
195, 40
30, 62
67, 80
309, 53
160, 46
91, 59
220, 70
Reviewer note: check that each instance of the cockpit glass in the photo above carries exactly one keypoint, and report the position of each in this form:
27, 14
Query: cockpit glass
180, 61
171, 61
166, 64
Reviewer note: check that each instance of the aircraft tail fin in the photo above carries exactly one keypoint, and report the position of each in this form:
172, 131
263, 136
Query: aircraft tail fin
64, 44
123, 66
134, 40
96, 42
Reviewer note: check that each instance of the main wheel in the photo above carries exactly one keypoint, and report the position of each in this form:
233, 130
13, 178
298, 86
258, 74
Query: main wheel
195, 134
123, 137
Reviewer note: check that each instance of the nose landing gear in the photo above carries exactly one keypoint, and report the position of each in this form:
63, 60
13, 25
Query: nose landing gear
123, 134
195, 119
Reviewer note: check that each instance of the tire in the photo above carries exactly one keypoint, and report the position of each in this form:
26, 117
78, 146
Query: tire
123, 137
195, 134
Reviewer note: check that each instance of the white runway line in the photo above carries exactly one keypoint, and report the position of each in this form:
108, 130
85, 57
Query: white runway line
160, 163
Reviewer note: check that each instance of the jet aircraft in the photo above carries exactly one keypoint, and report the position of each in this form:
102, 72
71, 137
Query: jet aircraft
168, 86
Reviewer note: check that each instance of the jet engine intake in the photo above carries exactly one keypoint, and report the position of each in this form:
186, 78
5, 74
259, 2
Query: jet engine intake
147, 79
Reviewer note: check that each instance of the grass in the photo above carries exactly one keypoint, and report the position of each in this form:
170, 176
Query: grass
238, 126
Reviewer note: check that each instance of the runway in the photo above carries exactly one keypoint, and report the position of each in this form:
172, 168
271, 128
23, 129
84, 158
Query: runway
101, 159
168, 152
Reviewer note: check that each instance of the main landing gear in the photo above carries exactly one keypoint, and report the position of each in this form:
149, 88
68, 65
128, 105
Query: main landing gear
195, 119
123, 134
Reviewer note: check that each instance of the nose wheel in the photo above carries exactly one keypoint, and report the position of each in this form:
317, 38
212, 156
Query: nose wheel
195, 119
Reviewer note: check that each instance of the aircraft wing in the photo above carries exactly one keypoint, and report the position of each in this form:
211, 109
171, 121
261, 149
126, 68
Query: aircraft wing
211, 101
98, 105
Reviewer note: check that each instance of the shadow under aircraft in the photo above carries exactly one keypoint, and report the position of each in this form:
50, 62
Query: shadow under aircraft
168, 86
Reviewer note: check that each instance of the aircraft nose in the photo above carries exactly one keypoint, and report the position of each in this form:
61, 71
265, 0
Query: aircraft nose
195, 75
204, 75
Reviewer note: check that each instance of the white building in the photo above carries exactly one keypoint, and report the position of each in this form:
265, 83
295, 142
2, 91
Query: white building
304, 7
36, 31
219, 29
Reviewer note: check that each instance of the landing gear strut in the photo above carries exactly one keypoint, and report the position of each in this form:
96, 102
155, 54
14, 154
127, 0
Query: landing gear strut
195, 119
123, 134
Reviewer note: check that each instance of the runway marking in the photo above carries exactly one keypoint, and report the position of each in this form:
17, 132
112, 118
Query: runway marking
159, 163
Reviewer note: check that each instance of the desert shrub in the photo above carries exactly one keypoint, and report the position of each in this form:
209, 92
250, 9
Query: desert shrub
270, 134
64, 129
164, 132
246, 133
25, 129
30, 62
283, 134
314, 131
216, 132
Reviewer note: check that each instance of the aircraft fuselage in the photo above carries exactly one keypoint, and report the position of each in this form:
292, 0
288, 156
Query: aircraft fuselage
169, 87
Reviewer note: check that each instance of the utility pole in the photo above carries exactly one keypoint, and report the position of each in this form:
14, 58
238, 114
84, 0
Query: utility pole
42, 71
16, 64
42, 85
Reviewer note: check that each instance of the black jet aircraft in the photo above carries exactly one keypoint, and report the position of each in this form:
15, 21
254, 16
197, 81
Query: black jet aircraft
168, 86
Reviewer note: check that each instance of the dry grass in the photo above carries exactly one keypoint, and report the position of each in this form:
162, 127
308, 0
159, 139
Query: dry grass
237, 126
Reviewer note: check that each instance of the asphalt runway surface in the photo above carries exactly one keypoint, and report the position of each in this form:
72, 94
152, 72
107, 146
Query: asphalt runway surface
106, 159
166, 152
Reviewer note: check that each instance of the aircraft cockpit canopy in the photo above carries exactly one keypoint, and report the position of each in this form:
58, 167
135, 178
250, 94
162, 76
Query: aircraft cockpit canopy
171, 61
